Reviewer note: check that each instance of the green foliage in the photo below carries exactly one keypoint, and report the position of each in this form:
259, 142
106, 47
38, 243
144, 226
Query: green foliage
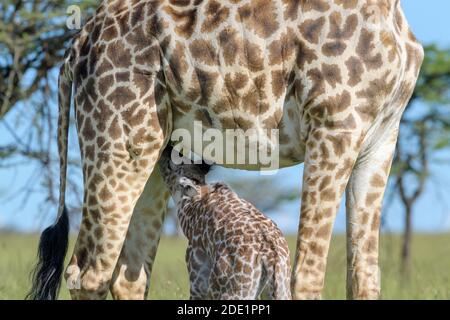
424, 133
425, 127
434, 82
433, 92
33, 38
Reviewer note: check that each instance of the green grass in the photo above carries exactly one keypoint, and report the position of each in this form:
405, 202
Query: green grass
430, 278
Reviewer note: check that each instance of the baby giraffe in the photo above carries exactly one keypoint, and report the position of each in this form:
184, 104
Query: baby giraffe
234, 251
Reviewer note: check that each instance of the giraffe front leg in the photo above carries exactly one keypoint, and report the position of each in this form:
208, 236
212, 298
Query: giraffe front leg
329, 160
132, 274
364, 199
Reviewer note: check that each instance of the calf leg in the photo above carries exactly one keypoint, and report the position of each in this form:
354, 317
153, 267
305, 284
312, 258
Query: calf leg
199, 268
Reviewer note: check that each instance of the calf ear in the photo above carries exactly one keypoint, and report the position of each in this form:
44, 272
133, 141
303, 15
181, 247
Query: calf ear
188, 186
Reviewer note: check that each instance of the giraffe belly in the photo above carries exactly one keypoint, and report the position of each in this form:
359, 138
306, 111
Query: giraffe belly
255, 146
232, 80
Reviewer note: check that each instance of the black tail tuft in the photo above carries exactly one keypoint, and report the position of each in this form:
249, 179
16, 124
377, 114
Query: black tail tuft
49, 268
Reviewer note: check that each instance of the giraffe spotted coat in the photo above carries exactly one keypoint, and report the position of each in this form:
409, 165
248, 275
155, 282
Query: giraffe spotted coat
333, 76
234, 251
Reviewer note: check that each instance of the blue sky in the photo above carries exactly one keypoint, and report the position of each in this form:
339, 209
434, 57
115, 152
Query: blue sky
430, 23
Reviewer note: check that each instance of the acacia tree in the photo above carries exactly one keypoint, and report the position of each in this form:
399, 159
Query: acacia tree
424, 134
33, 38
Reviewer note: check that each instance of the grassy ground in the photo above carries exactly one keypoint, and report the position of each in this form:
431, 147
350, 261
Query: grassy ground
430, 279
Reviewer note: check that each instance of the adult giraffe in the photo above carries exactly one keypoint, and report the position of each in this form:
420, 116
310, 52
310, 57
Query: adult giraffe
334, 76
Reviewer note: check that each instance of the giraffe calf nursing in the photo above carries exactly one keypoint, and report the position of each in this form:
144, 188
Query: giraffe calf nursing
234, 251
331, 77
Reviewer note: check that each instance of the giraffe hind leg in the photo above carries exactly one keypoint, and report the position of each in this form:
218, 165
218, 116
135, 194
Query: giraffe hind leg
120, 140
364, 197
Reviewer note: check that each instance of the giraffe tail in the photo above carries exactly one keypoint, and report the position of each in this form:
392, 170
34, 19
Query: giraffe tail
46, 276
